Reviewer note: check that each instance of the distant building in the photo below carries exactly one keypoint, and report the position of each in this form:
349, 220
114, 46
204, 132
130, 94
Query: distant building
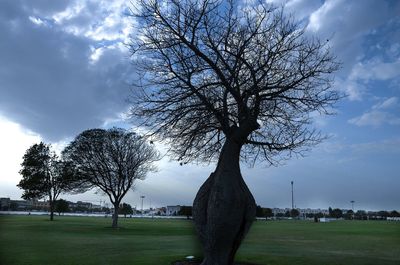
41, 205
96, 207
276, 211
82, 204
313, 211
22, 205
5, 204
173, 210
303, 212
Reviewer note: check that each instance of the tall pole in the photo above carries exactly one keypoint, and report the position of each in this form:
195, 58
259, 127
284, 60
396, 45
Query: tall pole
352, 208
292, 195
142, 197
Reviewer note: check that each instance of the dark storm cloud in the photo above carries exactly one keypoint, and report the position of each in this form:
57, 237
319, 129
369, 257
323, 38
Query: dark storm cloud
48, 83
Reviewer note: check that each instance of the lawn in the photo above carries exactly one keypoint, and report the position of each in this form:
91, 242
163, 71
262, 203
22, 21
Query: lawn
89, 240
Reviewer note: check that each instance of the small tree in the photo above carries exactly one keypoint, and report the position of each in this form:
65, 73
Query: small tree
125, 209
259, 211
110, 160
61, 206
294, 213
268, 213
186, 211
227, 83
394, 213
44, 175
336, 213
349, 215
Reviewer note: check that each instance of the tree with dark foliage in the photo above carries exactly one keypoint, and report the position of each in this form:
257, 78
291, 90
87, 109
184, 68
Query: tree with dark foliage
61, 206
45, 175
294, 213
227, 83
186, 211
268, 212
110, 160
259, 211
125, 209
336, 213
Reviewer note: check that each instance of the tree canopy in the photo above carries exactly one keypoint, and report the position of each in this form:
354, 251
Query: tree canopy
214, 70
110, 160
45, 175
125, 208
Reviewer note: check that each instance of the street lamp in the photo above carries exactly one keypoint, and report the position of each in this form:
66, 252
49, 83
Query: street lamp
142, 197
352, 208
292, 195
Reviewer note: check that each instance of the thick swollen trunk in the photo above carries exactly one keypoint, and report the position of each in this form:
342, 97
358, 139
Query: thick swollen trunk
115, 216
223, 209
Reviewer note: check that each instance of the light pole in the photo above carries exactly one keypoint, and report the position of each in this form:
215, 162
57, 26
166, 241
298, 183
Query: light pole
142, 197
352, 205
352, 208
292, 195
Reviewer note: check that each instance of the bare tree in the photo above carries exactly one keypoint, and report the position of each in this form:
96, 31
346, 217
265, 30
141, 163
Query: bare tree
228, 81
110, 160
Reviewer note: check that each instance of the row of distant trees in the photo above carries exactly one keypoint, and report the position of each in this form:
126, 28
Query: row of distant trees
106, 160
361, 214
333, 213
62, 206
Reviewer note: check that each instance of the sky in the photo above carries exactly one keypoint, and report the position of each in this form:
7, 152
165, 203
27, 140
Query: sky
64, 68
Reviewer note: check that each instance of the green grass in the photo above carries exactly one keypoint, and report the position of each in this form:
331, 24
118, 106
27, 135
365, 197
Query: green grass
89, 240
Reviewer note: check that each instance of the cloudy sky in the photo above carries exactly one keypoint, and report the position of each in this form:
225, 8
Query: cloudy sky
64, 68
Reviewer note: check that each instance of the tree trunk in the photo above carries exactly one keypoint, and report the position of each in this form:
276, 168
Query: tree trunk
115, 216
223, 209
51, 210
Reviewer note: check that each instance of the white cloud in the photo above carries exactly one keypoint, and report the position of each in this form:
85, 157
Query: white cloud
354, 90
384, 146
375, 118
375, 70
387, 103
348, 25
14, 141
384, 112
98, 20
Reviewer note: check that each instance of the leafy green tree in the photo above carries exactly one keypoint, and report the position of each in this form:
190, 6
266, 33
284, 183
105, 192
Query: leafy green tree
111, 161
125, 209
394, 214
259, 211
61, 206
336, 213
268, 212
294, 213
383, 214
224, 83
186, 211
45, 175
349, 215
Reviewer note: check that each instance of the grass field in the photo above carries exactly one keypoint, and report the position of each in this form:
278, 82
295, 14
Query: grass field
88, 240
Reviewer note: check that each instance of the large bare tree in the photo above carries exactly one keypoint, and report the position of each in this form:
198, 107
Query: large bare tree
230, 81
110, 160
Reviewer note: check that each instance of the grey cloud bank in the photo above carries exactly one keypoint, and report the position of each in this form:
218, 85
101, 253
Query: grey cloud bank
48, 81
